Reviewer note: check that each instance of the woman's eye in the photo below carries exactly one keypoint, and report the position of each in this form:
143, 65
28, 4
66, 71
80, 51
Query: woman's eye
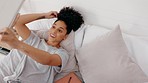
60, 31
53, 27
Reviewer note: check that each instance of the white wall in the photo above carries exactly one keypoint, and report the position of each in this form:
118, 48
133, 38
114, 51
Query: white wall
132, 15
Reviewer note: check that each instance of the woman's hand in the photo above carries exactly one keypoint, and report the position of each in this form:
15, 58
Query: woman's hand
8, 37
51, 14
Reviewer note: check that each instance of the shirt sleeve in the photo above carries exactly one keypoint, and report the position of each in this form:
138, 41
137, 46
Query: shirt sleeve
32, 39
64, 57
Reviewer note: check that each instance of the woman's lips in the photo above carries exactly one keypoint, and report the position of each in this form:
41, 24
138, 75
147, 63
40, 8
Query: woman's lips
52, 35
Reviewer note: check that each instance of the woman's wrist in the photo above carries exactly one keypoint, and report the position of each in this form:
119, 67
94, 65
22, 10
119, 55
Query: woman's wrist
42, 16
18, 45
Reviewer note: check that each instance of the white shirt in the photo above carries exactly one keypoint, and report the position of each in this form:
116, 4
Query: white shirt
17, 65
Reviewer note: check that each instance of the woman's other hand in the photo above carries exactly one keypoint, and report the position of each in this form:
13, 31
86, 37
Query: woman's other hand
8, 37
51, 14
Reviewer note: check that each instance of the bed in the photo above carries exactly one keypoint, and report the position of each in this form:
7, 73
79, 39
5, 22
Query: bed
120, 26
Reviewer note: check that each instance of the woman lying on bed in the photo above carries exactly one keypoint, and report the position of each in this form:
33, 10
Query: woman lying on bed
35, 60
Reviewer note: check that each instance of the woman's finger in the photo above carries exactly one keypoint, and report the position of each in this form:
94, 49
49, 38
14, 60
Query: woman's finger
6, 31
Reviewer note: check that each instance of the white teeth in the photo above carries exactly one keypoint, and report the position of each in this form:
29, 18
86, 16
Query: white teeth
52, 35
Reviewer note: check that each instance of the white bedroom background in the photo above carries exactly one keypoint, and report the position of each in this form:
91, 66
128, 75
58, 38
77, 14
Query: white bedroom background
132, 15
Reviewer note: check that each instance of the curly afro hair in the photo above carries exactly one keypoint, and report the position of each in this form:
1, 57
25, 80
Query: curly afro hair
72, 18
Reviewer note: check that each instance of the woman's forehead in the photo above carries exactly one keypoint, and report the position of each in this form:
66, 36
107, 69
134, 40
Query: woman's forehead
60, 24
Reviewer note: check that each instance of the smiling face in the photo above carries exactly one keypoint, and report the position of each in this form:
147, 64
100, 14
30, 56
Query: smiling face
57, 33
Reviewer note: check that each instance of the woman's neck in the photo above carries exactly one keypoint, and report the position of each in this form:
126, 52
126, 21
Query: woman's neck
54, 44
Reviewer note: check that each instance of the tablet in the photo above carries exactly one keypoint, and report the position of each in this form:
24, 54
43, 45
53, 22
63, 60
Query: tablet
8, 11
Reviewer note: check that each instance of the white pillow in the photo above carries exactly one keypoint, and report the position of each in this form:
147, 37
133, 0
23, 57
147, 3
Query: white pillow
41, 24
138, 47
68, 44
93, 31
106, 60
79, 35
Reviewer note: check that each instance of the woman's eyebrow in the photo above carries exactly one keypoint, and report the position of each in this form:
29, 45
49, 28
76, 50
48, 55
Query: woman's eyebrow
62, 28
59, 27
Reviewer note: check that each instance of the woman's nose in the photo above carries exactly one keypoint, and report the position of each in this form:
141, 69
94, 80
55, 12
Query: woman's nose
54, 31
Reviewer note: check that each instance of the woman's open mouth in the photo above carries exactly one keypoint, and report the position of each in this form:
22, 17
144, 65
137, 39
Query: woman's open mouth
52, 35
